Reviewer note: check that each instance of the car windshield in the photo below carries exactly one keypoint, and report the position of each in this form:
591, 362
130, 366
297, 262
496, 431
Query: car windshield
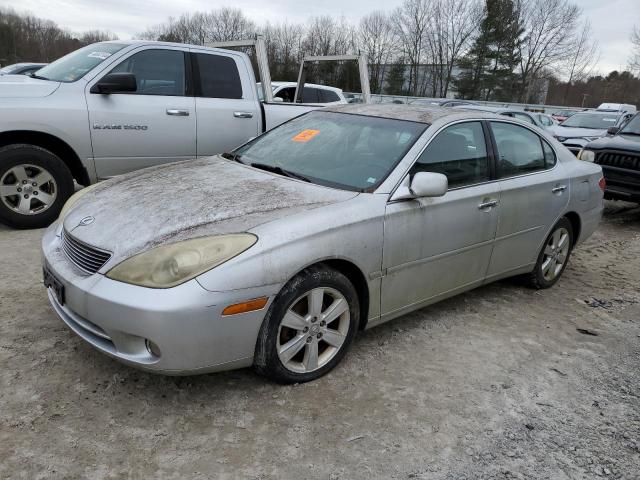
75, 65
595, 121
353, 152
633, 127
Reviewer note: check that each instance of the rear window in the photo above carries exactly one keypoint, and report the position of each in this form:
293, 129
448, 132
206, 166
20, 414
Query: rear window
219, 77
328, 96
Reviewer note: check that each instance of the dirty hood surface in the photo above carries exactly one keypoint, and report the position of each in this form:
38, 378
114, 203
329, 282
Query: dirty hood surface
23, 86
189, 199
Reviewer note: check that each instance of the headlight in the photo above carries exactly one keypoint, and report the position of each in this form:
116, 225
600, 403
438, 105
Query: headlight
171, 265
73, 199
587, 155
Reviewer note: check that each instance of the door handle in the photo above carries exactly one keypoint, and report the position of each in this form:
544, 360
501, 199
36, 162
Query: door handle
488, 204
178, 113
243, 114
558, 189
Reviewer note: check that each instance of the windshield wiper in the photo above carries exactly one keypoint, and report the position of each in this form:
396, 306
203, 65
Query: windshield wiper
232, 156
279, 171
39, 77
629, 133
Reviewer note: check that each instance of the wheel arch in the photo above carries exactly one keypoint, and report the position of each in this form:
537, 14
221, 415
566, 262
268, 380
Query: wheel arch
576, 225
355, 276
52, 143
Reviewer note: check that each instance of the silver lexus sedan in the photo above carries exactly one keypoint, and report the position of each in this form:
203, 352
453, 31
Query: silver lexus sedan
276, 254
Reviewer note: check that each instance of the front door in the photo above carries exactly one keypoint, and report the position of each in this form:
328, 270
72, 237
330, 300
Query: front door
534, 192
434, 247
155, 124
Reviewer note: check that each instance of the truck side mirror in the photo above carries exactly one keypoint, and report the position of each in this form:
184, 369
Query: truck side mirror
116, 83
612, 130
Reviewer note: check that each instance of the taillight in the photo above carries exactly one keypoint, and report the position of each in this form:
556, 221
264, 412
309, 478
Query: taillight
602, 184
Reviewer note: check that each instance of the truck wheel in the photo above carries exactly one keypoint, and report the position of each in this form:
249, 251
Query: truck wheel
34, 185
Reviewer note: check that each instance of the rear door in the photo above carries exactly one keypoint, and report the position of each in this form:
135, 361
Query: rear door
155, 124
534, 192
227, 108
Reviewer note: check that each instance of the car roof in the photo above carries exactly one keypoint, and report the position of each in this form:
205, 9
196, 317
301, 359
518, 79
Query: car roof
413, 113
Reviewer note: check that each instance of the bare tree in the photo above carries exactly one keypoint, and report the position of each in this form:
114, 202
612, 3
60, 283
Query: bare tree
634, 61
584, 57
410, 22
377, 40
550, 27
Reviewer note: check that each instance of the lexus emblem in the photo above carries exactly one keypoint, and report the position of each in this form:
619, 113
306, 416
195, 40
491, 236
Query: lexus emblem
86, 221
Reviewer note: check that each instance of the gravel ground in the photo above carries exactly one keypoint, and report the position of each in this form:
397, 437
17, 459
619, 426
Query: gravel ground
503, 382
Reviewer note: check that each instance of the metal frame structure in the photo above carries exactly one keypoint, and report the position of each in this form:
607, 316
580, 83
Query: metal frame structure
260, 46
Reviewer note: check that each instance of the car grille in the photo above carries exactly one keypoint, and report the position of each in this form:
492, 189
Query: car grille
619, 160
87, 258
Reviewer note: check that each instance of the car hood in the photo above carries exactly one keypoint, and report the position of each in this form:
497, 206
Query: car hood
23, 86
194, 198
573, 132
619, 142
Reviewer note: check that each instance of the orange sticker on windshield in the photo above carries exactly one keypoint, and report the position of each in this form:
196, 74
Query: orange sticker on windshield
305, 135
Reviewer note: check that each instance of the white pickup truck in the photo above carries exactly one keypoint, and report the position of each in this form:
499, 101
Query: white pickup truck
114, 107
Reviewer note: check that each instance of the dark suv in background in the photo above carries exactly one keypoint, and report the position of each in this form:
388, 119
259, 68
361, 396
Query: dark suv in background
619, 156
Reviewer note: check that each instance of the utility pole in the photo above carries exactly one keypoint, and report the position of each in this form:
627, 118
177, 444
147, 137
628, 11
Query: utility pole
584, 98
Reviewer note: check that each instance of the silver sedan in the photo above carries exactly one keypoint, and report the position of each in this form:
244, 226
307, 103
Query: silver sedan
276, 254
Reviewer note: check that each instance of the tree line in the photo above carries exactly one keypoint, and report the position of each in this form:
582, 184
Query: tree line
26, 38
503, 50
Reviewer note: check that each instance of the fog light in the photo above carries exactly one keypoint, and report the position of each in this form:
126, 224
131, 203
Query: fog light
152, 348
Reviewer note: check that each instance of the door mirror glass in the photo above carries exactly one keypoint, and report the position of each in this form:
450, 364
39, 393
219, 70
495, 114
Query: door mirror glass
429, 184
612, 130
116, 83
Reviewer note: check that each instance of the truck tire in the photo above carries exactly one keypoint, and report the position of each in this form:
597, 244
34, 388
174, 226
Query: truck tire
34, 185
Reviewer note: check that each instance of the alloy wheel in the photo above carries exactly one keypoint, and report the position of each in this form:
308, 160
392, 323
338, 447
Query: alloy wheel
555, 254
313, 329
28, 189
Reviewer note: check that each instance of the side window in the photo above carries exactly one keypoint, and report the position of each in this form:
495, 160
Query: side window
287, 94
310, 95
519, 150
219, 77
328, 96
524, 118
158, 72
459, 152
549, 154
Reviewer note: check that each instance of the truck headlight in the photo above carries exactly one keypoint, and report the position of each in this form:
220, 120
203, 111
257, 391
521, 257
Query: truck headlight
73, 200
587, 155
170, 265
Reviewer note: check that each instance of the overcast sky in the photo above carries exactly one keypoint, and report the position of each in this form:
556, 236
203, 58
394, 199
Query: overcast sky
612, 20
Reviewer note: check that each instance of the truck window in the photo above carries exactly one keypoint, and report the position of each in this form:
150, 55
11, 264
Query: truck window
328, 96
218, 75
158, 72
310, 95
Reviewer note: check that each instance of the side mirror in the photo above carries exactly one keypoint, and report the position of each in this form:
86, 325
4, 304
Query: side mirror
423, 184
613, 130
116, 83
429, 184
278, 99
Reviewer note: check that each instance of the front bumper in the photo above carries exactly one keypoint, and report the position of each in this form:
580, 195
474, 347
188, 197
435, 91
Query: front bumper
185, 323
622, 184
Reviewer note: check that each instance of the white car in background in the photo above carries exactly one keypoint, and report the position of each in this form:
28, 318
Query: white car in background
312, 94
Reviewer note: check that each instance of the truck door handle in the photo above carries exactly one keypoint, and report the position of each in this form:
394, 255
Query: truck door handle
243, 114
558, 189
178, 113
486, 205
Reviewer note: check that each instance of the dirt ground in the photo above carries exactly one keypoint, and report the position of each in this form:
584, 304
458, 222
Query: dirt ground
503, 382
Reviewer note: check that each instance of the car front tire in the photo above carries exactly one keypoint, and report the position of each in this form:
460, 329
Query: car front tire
34, 185
308, 327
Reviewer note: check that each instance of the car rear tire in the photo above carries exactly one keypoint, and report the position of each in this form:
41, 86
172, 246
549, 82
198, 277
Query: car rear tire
34, 185
554, 256
308, 327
